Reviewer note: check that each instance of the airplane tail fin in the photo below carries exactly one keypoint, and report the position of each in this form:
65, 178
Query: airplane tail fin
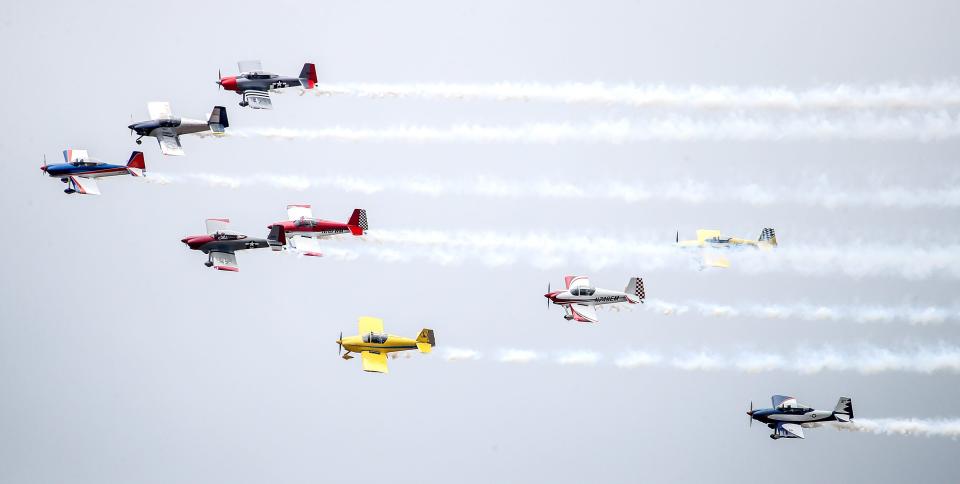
634, 290
308, 75
358, 222
426, 341
277, 238
136, 166
769, 237
844, 409
218, 120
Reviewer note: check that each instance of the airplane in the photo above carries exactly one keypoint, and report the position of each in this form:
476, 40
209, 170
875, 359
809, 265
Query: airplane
79, 171
167, 128
787, 418
221, 244
374, 345
254, 84
579, 299
713, 239
300, 228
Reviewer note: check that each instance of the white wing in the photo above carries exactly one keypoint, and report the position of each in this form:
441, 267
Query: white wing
584, 313
83, 186
169, 142
159, 110
249, 66
789, 430
257, 99
305, 246
215, 225
780, 401
70, 155
576, 281
224, 261
295, 212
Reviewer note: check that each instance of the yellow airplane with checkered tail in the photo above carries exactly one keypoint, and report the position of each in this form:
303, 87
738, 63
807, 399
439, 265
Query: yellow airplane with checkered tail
712, 239
373, 344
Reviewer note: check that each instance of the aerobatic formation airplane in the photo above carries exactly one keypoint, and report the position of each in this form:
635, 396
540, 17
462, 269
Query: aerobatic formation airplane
254, 84
711, 239
374, 345
580, 297
221, 244
301, 229
79, 171
167, 128
788, 418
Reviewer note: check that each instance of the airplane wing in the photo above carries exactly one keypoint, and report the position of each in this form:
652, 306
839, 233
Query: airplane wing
69, 156
83, 186
789, 430
706, 234
576, 281
374, 362
169, 142
249, 66
257, 99
584, 313
780, 401
370, 325
215, 225
294, 212
224, 261
159, 110
715, 260
305, 246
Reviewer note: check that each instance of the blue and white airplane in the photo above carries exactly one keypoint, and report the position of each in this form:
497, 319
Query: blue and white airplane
788, 418
79, 171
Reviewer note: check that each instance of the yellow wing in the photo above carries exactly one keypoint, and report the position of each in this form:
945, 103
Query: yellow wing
368, 324
715, 260
707, 234
374, 362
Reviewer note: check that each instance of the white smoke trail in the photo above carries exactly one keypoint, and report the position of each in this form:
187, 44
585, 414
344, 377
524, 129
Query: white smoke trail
553, 250
519, 356
862, 127
461, 354
696, 192
828, 97
904, 426
914, 315
581, 357
867, 360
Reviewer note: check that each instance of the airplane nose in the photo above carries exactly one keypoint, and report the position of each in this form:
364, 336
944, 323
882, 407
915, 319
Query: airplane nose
132, 126
43, 168
228, 83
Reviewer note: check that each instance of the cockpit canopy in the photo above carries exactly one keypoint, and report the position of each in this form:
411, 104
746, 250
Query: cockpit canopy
583, 291
376, 338
259, 75
717, 240
228, 235
305, 222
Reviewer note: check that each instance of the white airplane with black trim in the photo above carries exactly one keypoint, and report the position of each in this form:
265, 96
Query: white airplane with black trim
788, 418
580, 297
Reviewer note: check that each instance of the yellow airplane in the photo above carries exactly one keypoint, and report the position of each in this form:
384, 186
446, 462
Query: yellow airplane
713, 239
374, 345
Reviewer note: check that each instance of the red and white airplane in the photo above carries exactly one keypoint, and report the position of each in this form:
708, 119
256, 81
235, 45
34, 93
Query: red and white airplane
580, 297
301, 230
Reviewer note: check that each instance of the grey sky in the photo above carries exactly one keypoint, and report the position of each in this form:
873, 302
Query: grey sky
122, 359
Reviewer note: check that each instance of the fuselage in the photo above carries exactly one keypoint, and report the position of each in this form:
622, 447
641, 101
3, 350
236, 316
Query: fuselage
316, 228
258, 81
377, 343
221, 242
63, 170
169, 126
593, 297
798, 415
720, 243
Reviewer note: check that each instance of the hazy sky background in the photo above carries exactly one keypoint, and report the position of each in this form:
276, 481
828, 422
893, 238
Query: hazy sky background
123, 359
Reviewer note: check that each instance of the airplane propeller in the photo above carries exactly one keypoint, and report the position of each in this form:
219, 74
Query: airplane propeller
219, 80
678, 236
548, 292
43, 169
340, 344
750, 413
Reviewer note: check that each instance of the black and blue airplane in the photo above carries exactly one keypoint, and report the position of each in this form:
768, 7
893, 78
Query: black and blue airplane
787, 418
79, 171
